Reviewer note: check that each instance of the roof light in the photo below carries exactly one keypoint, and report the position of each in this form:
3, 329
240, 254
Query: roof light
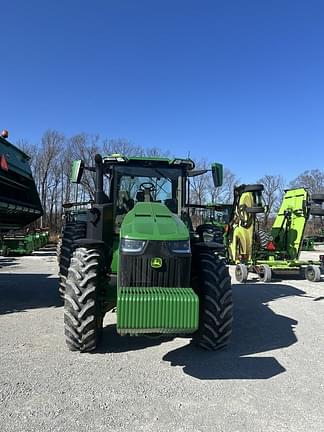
184, 162
4, 133
115, 157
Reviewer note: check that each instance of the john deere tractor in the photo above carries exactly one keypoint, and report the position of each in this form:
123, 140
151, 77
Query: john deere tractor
140, 255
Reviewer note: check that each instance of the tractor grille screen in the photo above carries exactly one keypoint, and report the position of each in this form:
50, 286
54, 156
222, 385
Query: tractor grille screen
137, 271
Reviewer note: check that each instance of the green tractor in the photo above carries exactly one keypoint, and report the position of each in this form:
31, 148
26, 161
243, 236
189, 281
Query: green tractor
254, 251
140, 255
23, 242
17, 243
218, 215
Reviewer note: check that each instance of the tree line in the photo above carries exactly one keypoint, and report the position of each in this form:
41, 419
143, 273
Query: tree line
52, 157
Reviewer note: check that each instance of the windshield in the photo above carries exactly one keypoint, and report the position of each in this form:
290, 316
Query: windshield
159, 189
146, 184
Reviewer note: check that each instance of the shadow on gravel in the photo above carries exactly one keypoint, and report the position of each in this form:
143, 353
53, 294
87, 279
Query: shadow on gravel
7, 262
256, 329
113, 343
20, 291
41, 253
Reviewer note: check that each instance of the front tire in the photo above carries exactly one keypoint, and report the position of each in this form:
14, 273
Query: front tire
58, 250
72, 231
83, 314
212, 282
262, 239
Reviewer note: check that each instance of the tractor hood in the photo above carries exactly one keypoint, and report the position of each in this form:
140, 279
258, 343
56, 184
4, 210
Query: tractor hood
153, 221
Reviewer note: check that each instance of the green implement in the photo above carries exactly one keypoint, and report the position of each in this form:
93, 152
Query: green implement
278, 252
19, 200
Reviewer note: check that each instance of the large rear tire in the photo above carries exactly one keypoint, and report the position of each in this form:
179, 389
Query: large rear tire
212, 282
83, 313
262, 238
58, 250
72, 231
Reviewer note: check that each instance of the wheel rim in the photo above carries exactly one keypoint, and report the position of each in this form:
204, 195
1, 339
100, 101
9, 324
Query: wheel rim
238, 273
311, 274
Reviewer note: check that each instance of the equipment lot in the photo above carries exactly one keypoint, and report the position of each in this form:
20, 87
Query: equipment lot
270, 377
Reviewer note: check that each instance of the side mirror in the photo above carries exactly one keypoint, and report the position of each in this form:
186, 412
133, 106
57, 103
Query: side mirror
77, 171
217, 172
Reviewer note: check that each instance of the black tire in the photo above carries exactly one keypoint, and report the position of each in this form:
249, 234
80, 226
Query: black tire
241, 273
265, 273
83, 314
313, 273
219, 237
317, 211
262, 239
318, 198
72, 231
252, 188
212, 282
58, 250
210, 229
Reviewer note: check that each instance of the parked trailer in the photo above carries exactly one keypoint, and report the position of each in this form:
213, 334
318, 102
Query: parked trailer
19, 201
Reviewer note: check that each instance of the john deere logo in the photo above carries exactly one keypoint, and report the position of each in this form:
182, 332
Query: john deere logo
156, 262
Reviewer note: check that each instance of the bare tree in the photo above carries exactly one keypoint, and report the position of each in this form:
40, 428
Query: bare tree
313, 180
84, 147
122, 146
272, 194
224, 193
199, 185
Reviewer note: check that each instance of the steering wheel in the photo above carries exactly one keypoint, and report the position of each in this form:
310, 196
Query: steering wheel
147, 186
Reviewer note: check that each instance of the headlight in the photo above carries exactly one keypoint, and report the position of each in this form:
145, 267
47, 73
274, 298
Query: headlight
129, 245
179, 246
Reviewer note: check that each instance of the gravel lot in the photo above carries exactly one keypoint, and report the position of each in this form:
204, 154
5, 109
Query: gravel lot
270, 378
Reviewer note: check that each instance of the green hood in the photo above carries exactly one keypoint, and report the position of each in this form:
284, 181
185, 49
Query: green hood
153, 221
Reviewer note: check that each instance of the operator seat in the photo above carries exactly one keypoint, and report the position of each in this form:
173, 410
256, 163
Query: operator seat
140, 196
144, 196
124, 203
172, 204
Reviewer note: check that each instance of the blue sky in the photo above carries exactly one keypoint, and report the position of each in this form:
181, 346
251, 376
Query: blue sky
240, 82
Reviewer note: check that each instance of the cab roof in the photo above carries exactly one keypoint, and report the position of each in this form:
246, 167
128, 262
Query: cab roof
149, 161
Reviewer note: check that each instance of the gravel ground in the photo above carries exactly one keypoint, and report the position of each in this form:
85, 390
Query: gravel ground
270, 378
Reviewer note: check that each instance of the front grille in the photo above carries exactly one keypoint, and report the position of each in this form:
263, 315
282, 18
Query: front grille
136, 271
